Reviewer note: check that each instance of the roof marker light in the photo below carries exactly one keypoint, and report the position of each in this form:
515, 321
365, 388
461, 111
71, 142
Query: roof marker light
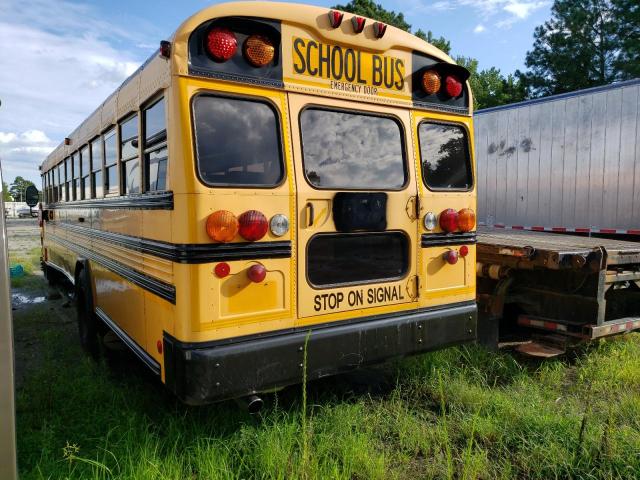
379, 29
165, 49
335, 18
358, 24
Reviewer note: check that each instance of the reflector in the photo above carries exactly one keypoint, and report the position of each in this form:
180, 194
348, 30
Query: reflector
222, 269
258, 50
222, 44
464, 251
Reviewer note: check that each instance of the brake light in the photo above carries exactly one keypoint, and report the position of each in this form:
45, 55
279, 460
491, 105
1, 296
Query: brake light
466, 220
222, 44
256, 273
259, 50
253, 225
431, 82
464, 251
453, 86
222, 226
449, 220
450, 257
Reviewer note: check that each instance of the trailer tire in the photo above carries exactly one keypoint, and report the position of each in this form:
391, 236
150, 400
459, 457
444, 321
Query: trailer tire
88, 328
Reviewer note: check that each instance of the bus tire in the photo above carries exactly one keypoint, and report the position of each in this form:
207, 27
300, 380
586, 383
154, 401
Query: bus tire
88, 328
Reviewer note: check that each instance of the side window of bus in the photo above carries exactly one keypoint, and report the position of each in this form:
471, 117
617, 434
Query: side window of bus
237, 142
75, 165
130, 163
110, 163
67, 179
97, 187
60, 182
446, 164
85, 169
155, 147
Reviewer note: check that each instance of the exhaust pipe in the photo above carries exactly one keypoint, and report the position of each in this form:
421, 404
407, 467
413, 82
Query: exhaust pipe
253, 403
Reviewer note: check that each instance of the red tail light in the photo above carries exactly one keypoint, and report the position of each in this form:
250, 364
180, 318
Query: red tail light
256, 273
450, 257
222, 44
449, 220
453, 86
253, 225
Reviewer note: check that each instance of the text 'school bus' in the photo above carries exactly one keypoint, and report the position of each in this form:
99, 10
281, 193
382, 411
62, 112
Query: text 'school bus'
277, 183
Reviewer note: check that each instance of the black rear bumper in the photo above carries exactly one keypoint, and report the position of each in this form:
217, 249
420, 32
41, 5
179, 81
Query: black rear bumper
201, 373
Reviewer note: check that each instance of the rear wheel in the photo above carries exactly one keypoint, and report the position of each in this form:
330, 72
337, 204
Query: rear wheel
87, 321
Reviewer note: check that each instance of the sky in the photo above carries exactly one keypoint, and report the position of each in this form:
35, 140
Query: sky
62, 58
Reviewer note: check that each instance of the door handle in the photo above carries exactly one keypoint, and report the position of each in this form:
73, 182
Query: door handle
311, 216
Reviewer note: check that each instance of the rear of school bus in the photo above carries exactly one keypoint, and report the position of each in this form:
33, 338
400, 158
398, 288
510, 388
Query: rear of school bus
325, 188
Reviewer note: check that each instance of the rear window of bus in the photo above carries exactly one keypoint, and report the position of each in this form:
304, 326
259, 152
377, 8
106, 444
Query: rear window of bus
347, 150
444, 149
237, 142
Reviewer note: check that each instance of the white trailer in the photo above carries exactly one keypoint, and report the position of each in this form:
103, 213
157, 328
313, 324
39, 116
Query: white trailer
568, 162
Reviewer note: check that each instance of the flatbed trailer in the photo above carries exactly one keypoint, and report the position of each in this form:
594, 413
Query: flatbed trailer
545, 291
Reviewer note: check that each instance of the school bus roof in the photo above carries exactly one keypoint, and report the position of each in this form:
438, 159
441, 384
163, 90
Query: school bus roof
155, 73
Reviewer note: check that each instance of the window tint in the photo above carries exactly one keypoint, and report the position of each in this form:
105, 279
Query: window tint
237, 142
154, 123
351, 150
157, 169
129, 138
335, 259
111, 179
67, 176
97, 189
110, 153
445, 156
85, 171
155, 148
131, 174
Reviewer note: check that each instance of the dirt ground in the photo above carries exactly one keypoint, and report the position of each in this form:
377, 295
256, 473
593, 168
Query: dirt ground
35, 304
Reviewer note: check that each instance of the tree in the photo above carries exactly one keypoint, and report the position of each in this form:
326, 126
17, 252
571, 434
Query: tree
368, 8
6, 196
490, 88
18, 187
586, 43
627, 14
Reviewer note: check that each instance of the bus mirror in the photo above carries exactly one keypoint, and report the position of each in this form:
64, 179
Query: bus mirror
32, 196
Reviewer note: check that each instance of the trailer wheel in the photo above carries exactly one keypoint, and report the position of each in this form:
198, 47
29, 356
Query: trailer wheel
87, 320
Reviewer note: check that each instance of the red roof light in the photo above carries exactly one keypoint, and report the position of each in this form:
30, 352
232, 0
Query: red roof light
453, 86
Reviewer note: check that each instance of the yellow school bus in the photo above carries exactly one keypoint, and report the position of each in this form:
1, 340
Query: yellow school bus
279, 188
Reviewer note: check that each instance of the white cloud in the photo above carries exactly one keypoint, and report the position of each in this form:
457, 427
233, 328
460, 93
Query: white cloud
486, 9
522, 10
479, 28
55, 73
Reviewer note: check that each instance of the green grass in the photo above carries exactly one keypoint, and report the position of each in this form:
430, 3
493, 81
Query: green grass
459, 413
